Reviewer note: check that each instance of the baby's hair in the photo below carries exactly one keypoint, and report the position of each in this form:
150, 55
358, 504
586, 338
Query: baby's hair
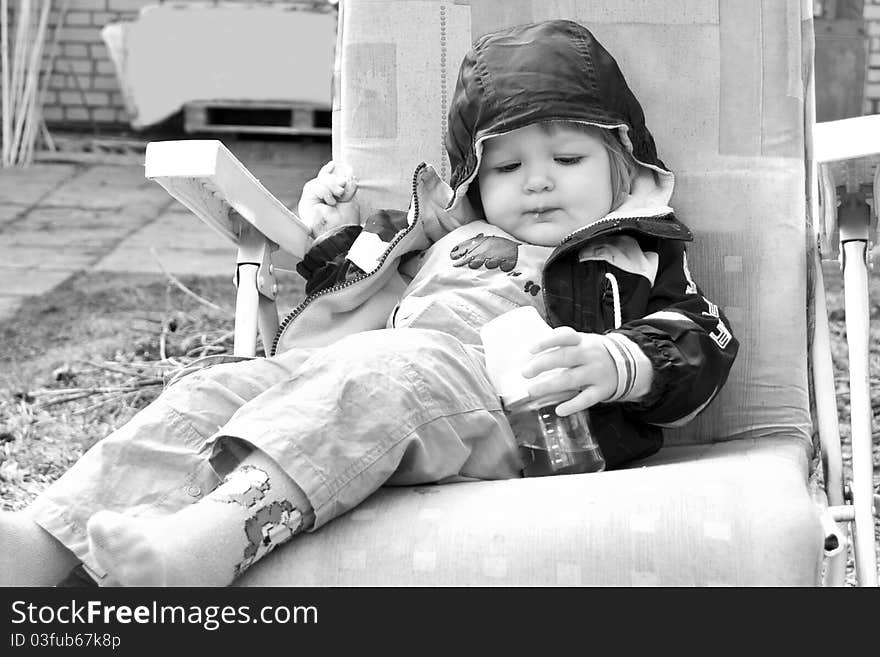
622, 163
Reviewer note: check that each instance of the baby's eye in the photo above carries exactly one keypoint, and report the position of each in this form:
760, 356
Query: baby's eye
568, 159
507, 168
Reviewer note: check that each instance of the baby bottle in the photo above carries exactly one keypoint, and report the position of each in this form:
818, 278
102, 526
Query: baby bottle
548, 444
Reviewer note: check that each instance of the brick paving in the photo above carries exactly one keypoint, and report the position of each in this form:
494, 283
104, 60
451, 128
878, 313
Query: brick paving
58, 219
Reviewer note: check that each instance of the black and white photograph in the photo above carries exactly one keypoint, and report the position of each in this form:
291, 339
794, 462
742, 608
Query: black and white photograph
432, 295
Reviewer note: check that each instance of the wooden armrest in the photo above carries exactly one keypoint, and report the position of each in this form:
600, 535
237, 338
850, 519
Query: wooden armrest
209, 180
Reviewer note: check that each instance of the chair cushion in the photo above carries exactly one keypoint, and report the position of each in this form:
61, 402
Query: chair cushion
739, 512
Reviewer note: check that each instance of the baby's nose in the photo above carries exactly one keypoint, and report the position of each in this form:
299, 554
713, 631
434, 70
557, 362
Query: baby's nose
538, 181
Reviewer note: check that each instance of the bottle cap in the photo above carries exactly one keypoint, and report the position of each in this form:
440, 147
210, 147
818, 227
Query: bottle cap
507, 340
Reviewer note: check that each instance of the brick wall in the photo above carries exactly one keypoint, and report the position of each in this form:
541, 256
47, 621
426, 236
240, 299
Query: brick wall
83, 89
872, 80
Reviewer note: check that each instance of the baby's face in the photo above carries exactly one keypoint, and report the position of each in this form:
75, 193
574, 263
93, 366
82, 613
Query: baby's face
541, 185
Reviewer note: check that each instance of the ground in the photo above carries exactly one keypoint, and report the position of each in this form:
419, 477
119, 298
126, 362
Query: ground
79, 361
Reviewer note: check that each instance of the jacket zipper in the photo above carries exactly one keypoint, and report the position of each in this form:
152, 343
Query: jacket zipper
293, 314
615, 220
615, 223
574, 233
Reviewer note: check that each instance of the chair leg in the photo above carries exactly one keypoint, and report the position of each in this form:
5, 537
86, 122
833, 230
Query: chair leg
255, 300
854, 222
246, 309
828, 422
268, 321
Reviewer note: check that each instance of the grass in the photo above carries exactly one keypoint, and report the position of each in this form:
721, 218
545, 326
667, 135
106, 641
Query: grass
80, 361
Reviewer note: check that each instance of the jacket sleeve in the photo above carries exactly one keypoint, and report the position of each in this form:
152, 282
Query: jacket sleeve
688, 340
325, 263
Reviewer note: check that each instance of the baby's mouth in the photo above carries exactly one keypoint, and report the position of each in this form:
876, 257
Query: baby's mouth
540, 213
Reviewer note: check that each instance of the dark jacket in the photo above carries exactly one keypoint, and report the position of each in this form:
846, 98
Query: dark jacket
555, 71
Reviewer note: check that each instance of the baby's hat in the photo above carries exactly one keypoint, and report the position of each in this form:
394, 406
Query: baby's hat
553, 70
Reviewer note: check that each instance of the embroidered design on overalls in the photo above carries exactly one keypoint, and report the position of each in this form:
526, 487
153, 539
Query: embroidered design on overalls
491, 252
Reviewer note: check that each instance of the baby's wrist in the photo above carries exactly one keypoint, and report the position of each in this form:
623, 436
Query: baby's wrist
634, 369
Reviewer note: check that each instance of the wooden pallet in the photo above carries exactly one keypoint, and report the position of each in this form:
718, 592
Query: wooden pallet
91, 150
261, 117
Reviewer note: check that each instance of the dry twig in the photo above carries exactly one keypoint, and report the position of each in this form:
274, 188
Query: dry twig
183, 288
110, 398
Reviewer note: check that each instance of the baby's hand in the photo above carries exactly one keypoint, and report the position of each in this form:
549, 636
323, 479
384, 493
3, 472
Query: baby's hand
328, 200
584, 364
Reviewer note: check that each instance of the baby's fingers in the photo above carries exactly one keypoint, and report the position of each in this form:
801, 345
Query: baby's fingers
348, 190
316, 193
339, 179
582, 401
564, 336
331, 183
345, 177
550, 359
323, 194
